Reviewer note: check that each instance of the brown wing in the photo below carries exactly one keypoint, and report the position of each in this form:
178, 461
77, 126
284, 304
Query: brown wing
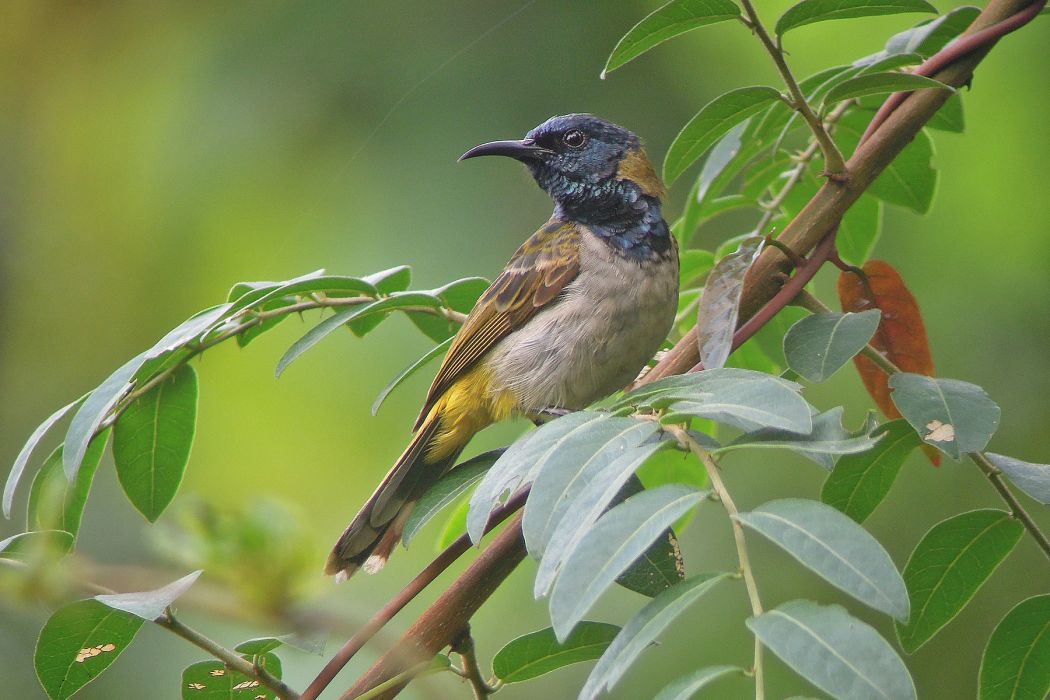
533, 278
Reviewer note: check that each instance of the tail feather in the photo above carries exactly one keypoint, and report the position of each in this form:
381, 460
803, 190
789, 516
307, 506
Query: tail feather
376, 529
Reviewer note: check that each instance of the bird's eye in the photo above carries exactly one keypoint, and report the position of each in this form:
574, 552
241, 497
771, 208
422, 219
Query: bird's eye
574, 138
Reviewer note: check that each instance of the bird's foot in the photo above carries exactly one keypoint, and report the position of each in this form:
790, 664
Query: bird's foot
546, 415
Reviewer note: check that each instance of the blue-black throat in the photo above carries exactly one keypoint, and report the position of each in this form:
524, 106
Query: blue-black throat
598, 175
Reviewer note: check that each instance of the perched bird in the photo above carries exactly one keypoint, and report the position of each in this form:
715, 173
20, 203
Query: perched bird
584, 303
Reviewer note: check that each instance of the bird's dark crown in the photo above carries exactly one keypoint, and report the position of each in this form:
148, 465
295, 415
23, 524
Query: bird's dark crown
598, 174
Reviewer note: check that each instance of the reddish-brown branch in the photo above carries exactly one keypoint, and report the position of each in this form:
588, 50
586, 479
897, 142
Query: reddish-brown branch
451, 553
450, 613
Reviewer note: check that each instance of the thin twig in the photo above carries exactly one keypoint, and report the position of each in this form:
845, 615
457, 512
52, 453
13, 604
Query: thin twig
833, 160
231, 658
464, 646
746, 571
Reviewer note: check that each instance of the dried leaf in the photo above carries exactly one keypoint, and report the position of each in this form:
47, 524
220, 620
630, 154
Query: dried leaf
901, 334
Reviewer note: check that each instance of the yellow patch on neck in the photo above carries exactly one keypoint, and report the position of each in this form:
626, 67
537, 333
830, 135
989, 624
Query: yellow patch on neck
636, 167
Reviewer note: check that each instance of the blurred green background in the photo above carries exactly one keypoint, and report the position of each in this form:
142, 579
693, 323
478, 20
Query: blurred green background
155, 153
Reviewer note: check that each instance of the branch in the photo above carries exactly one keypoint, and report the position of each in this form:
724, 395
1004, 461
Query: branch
833, 161
990, 471
231, 658
825, 210
464, 646
719, 486
449, 614
416, 586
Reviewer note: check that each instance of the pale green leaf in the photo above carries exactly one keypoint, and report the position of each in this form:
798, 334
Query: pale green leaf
538, 653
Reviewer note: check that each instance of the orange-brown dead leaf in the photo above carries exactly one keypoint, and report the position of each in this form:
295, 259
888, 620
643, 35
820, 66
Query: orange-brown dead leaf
901, 335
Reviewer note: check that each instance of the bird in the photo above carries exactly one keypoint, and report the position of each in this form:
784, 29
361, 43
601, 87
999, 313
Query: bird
577, 312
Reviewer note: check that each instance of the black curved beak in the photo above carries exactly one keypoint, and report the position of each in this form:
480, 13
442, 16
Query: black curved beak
519, 150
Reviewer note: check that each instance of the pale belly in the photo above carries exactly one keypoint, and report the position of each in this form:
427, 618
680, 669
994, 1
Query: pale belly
592, 342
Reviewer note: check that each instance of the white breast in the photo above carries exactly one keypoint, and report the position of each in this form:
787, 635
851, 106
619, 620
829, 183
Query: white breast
595, 339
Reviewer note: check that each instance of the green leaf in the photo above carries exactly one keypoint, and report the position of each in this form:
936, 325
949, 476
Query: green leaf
561, 439
716, 317
150, 605
661, 565
687, 686
450, 487
811, 11
1033, 479
381, 306
818, 345
538, 653
152, 440
614, 543
883, 62
717, 163
949, 565
833, 650
462, 294
674, 18
859, 230
436, 351
53, 503
396, 279
78, 642
454, 526
212, 680
556, 483
694, 264
742, 398
835, 548
821, 444
955, 417
91, 413
1016, 662
642, 629
949, 117
249, 334
586, 501
774, 120
880, 84
711, 123
28, 545
930, 36
258, 645
860, 482
27, 450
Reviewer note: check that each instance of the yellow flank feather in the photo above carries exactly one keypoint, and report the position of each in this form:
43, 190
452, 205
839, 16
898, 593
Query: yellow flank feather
470, 405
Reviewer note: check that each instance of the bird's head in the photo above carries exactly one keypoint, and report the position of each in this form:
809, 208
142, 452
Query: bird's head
591, 168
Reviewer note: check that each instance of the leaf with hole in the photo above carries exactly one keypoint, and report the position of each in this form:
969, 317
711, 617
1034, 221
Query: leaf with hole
54, 504
642, 629
149, 605
538, 653
618, 538
564, 440
674, 18
445, 492
78, 642
833, 650
835, 548
687, 686
949, 565
954, 416
1016, 662
711, 123
818, 345
1033, 479
860, 482
811, 11
213, 680
152, 440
